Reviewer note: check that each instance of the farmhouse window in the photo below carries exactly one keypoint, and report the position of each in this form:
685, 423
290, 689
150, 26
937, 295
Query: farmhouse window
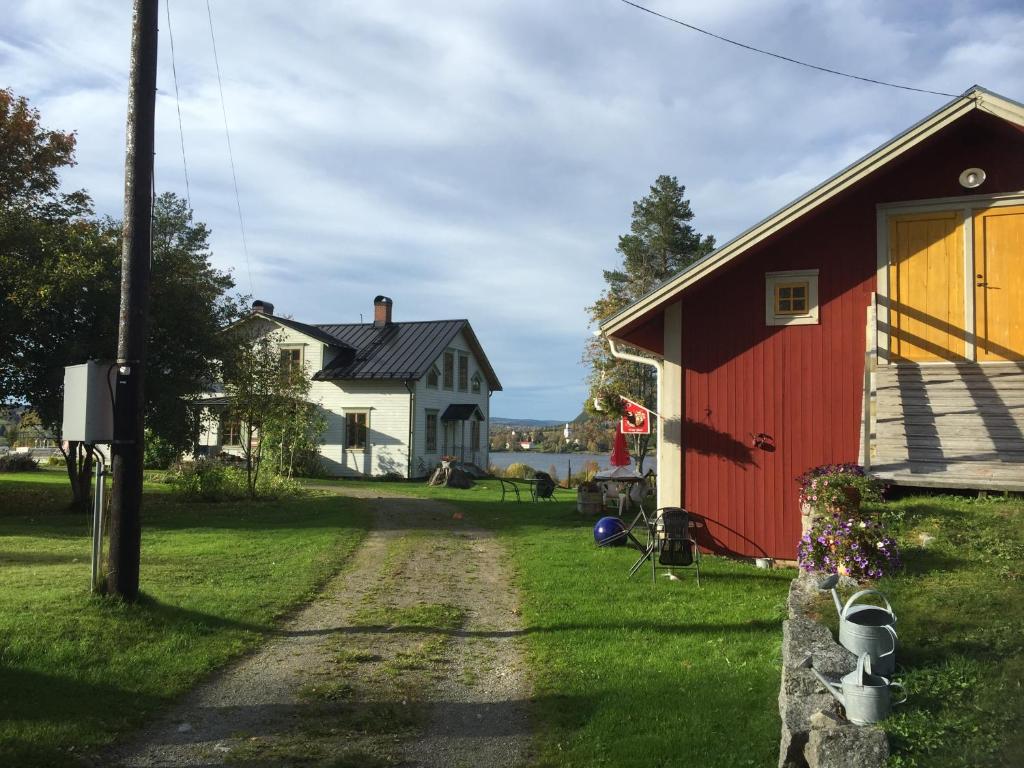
474, 383
431, 431
432, 377
791, 298
230, 430
449, 370
356, 423
291, 359
463, 373
474, 434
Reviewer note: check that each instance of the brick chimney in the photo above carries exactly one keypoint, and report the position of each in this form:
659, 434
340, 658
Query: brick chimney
260, 307
382, 311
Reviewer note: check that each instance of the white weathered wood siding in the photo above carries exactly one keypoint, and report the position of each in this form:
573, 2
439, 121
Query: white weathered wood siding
439, 398
387, 434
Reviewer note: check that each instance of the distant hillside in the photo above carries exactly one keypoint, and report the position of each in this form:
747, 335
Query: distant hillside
504, 422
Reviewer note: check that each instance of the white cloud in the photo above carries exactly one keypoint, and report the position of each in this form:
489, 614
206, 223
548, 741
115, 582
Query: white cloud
480, 159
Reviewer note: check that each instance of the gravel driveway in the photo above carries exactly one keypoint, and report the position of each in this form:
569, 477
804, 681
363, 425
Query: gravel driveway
411, 656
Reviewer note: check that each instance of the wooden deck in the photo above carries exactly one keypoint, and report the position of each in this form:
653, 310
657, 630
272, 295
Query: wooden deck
949, 425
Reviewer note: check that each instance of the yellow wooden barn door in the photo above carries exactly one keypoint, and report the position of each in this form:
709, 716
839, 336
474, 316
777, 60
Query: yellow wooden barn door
926, 286
999, 283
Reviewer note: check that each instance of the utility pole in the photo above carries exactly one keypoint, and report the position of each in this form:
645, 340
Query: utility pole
136, 253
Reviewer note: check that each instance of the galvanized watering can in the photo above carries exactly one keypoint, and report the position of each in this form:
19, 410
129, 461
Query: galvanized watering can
866, 697
867, 628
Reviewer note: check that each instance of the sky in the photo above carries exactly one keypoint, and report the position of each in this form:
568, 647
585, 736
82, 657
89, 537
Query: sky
479, 158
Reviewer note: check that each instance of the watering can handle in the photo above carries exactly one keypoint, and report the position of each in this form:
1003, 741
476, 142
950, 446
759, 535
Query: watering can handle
895, 637
863, 666
857, 595
902, 690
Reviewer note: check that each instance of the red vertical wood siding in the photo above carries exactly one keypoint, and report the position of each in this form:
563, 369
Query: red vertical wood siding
802, 384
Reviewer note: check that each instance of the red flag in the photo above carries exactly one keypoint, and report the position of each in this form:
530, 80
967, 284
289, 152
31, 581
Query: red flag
636, 420
620, 453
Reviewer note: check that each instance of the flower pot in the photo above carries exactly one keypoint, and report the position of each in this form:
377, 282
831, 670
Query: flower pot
589, 502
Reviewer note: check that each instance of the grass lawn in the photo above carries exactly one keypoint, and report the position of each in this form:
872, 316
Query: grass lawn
960, 606
626, 672
77, 671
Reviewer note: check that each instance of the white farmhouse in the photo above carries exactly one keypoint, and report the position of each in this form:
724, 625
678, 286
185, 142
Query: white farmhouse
397, 396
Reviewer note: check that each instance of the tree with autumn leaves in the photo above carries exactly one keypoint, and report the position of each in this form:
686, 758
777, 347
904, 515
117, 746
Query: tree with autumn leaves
60, 287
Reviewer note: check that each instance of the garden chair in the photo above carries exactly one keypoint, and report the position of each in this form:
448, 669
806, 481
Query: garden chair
670, 542
543, 486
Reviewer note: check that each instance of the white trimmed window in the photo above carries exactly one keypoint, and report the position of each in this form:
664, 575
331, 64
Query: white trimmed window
449, 369
431, 432
433, 376
463, 372
791, 298
356, 427
474, 383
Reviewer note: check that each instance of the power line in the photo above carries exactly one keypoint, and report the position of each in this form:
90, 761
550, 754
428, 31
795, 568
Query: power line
177, 101
785, 58
231, 156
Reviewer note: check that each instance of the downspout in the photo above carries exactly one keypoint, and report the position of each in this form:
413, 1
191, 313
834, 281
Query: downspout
411, 386
658, 366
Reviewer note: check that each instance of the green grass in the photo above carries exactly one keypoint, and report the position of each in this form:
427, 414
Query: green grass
76, 671
960, 608
625, 672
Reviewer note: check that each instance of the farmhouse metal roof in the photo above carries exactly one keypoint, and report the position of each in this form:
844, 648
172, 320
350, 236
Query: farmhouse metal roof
396, 350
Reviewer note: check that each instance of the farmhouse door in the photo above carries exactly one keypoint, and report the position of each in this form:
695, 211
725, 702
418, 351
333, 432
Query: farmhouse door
999, 283
926, 286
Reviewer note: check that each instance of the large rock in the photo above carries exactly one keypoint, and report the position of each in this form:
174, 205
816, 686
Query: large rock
835, 743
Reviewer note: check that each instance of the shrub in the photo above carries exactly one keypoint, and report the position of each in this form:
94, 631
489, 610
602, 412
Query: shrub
210, 480
520, 471
855, 546
158, 453
18, 462
832, 488
56, 461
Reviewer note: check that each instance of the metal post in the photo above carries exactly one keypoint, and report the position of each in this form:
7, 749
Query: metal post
136, 253
97, 522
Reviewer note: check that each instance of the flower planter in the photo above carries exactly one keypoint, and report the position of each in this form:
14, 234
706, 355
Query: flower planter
589, 502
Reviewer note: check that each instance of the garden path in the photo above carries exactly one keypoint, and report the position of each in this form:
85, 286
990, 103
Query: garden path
410, 656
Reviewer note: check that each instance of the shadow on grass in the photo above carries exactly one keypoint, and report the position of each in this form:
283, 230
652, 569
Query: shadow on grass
613, 626
39, 558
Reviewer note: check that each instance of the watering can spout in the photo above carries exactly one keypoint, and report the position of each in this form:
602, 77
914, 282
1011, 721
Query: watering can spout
829, 583
835, 690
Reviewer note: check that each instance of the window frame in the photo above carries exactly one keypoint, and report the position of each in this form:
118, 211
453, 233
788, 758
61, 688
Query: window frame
474, 433
229, 424
436, 373
349, 444
774, 281
448, 369
427, 446
476, 383
463, 372
289, 351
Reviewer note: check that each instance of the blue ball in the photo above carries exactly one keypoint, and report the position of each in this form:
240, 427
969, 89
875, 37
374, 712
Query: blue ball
610, 532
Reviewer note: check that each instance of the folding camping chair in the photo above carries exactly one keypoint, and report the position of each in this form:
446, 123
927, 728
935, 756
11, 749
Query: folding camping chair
670, 542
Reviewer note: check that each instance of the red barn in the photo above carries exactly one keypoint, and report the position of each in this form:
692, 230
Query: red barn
894, 289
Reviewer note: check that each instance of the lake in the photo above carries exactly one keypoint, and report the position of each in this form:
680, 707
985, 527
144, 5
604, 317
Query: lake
561, 461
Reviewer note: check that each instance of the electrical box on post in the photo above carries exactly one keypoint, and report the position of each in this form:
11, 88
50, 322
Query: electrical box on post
89, 402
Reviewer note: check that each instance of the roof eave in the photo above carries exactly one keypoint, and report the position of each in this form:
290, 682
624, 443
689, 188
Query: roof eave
975, 98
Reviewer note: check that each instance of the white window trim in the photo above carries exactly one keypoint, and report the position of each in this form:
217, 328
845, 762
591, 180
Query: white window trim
455, 371
459, 357
810, 276
344, 444
476, 382
437, 428
433, 369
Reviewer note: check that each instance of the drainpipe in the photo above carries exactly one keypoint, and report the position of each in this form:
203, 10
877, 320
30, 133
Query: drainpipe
658, 367
411, 386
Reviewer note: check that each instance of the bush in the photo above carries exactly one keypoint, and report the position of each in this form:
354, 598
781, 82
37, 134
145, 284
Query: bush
18, 462
210, 480
56, 461
855, 546
520, 471
158, 453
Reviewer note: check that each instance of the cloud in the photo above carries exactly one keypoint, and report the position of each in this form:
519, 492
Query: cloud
480, 159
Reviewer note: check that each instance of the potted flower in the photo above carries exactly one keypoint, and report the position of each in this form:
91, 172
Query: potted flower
589, 499
835, 490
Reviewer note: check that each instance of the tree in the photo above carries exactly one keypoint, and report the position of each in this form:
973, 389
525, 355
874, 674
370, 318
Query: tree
661, 242
60, 288
270, 401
